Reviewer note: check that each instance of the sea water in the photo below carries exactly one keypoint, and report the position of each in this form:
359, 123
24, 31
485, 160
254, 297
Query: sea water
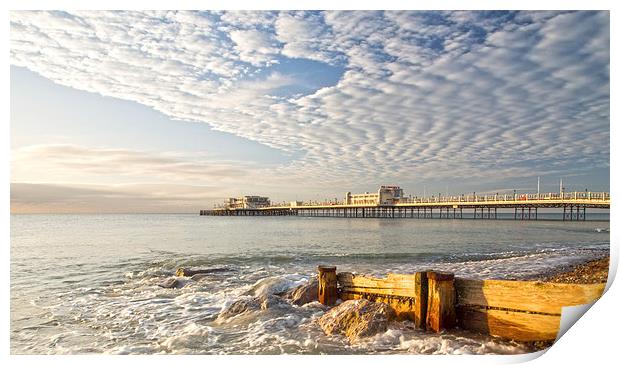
90, 283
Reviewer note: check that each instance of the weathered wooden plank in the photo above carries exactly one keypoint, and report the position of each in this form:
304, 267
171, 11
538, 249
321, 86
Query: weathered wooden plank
519, 326
392, 285
401, 292
404, 307
402, 278
529, 296
391, 281
440, 313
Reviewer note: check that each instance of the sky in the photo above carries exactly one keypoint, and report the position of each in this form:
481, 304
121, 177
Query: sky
173, 111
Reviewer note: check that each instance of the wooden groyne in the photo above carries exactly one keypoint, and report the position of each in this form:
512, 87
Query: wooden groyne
516, 310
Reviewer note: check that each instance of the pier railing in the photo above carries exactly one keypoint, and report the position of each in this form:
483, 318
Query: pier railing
576, 196
516, 310
512, 197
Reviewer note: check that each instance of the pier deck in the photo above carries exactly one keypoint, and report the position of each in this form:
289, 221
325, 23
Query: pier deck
525, 207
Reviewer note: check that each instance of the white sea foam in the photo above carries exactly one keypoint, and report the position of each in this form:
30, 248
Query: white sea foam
191, 337
276, 284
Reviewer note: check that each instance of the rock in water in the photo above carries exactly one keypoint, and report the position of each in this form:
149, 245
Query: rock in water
172, 283
305, 293
198, 277
270, 285
182, 271
271, 301
238, 307
357, 318
262, 302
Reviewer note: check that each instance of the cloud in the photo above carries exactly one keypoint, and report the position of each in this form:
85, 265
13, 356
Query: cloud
424, 96
305, 35
128, 198
255, 47
61, 159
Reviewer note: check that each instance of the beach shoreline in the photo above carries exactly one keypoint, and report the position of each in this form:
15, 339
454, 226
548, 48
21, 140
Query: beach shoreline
586, 272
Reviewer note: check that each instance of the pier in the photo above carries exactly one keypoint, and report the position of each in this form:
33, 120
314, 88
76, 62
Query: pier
519, 206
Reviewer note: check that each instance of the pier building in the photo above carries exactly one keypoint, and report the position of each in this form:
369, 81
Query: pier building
248, 202
386, 195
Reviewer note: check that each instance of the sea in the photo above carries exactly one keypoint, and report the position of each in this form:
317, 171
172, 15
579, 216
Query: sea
91, 284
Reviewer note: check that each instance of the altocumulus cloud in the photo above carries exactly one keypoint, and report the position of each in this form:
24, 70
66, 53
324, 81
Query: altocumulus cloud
454, 95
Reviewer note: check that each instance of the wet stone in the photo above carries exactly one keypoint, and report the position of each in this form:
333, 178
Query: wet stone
240, 306
199, 277
270, 285
171, 283
246, 305
182, 271
269, 301
357, 318
305, 293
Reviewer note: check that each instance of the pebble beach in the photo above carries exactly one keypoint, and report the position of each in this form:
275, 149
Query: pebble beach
589, 272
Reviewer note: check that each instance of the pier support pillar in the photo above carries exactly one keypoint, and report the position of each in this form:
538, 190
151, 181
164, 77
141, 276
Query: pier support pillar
328, 285
441, 311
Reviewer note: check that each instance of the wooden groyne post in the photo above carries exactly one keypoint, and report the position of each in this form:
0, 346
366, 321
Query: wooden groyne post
421, 299
328, 285
441, 313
